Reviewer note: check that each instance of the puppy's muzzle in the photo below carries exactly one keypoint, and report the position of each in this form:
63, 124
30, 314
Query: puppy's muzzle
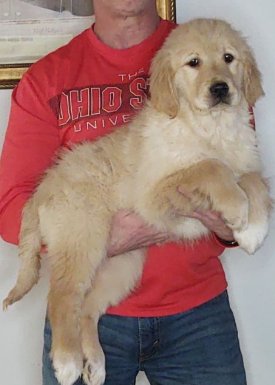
219, 91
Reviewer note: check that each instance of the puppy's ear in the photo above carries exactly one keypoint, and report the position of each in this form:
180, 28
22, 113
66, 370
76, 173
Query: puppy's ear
252, 80
163, 93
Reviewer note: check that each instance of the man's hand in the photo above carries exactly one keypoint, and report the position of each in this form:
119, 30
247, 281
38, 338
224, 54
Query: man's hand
214, 222
129, 232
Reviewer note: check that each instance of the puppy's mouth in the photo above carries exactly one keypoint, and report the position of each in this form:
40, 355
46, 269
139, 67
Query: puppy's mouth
219, 93
221, 101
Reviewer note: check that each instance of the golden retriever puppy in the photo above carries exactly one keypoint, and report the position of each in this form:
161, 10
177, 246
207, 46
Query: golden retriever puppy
193, 133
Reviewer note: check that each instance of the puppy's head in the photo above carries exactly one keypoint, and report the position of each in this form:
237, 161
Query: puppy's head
204, 64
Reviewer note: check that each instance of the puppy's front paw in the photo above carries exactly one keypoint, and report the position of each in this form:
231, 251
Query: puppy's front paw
235, 211
192, 198
68, 366
252, 237
94, 371
237, 219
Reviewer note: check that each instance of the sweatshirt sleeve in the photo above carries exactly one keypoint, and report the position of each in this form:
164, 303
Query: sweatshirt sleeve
30, 144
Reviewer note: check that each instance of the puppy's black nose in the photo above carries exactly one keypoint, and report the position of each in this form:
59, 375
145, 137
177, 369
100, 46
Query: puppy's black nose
219, 90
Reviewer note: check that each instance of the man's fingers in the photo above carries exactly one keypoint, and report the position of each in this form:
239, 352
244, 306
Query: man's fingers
184, 192
214, 215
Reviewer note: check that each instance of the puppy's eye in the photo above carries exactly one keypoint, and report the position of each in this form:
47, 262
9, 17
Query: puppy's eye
228, 58
194, 62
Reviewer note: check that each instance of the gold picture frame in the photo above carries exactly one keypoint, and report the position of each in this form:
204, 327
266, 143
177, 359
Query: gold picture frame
11, 73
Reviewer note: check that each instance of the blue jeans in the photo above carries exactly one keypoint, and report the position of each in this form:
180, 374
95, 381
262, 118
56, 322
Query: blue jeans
196, 347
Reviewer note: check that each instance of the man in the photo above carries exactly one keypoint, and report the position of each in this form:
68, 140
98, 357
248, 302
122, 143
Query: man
178, 326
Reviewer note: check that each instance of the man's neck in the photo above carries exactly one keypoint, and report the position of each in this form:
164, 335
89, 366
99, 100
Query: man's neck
119, 31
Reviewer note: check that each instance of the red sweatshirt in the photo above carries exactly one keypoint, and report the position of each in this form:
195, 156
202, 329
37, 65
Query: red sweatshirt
80, 92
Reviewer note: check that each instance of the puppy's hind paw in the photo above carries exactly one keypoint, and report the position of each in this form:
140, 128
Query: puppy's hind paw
94, 372
67, 370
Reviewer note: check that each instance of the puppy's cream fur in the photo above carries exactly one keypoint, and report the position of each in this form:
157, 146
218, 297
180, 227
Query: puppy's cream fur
185, 136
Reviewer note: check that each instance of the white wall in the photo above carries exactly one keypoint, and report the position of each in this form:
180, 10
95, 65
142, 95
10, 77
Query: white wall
251, 282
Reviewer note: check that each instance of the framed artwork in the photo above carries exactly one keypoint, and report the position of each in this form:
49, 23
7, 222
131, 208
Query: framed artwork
32, 28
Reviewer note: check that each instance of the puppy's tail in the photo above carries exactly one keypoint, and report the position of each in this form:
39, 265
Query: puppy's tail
29, 253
